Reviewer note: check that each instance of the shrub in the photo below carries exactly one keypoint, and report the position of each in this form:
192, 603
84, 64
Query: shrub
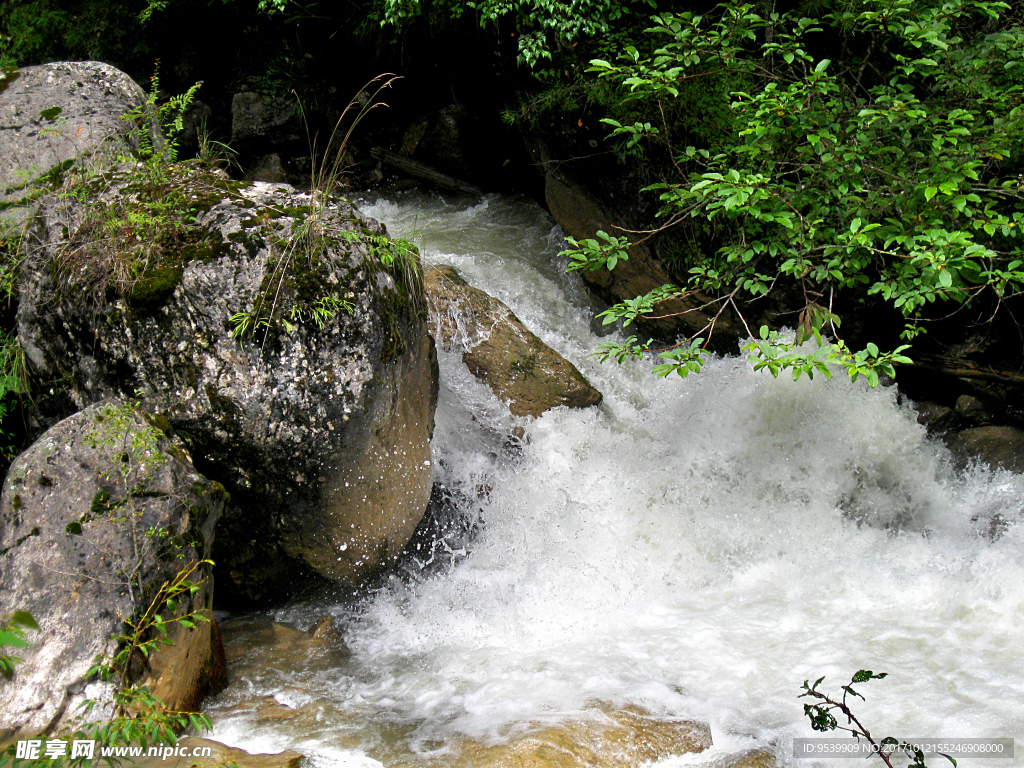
871, 161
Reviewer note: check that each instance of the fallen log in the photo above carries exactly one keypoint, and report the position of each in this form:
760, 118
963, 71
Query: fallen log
425, 172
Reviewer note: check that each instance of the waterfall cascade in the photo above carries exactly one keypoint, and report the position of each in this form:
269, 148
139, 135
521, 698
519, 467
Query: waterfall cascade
696, 548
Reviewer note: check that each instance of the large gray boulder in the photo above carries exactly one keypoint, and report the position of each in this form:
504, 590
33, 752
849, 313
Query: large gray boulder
316, 414
57, 113
95, 517
500, 351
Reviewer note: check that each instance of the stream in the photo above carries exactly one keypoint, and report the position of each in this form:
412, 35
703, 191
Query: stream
691, 549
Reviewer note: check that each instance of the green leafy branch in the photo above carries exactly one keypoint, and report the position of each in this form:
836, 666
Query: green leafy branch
591, 254
137, 716
878, 177
823, 720
772, 353
148, 631
540, 25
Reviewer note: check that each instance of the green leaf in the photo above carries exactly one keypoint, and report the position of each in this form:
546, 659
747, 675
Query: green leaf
24, 619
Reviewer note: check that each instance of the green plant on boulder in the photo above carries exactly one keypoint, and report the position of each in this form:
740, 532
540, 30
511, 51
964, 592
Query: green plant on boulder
139, 717
293, 290
135, 222
158, 123
133, 716
127, 712
12, 635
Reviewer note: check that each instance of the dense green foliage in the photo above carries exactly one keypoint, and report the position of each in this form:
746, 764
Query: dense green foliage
33, 31
848, 158
539, 25
872, 156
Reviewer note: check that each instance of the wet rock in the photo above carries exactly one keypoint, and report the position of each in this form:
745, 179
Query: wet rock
998, 447
754, 758
261, 123
581, 216
220, 755
972, 410
413, 136
55, 114
609, 738
95, 517
453, 520
272, 169
252, 644
315, 409
324, 634
936, 418
323, 638
446, 139
500, 351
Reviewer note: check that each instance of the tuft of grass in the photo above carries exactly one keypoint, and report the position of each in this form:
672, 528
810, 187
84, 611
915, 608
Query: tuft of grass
313, 234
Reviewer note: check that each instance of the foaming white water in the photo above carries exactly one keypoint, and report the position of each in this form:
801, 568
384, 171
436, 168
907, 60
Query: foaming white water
698, 547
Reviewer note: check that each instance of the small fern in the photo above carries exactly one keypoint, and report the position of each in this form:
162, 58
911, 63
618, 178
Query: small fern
159, 124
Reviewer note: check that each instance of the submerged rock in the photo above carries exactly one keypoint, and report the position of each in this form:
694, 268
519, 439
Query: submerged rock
936, 418
627, 737
270, 334
973, 411
499, 350
754, 758
998, 447
95, 517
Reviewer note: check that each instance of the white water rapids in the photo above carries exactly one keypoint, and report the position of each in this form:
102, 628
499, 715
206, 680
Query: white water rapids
696, 547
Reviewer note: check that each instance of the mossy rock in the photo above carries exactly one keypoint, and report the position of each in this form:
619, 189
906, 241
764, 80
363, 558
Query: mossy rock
336, 385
